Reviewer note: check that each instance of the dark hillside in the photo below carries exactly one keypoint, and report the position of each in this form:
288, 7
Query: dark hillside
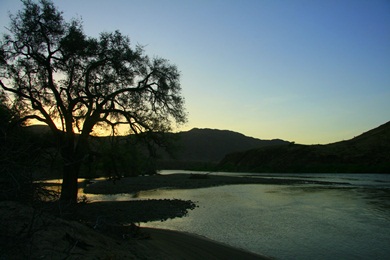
368, 152
38, 129
377, 139
211, 145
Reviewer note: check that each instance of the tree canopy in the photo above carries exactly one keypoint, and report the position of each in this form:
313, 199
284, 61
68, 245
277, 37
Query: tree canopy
73, 83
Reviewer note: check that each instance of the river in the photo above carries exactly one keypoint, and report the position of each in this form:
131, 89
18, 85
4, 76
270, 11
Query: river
346, 221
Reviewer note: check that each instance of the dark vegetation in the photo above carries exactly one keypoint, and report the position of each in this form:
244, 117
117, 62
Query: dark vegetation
366, 153
15, 159
23, 158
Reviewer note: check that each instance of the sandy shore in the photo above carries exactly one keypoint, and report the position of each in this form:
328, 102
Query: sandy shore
181, 245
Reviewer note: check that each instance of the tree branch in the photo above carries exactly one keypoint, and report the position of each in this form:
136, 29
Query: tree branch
35, 103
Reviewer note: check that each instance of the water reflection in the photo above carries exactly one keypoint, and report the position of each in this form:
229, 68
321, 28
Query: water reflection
376, 199
379, 199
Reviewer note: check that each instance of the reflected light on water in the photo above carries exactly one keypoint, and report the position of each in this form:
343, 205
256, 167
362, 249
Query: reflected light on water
290, 221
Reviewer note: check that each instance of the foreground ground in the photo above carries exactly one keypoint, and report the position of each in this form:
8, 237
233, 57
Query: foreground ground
104, 230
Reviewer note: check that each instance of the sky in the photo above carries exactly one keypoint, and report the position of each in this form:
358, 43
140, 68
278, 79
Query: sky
308, 71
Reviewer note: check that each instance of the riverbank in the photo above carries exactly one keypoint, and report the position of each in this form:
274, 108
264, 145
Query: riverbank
181, 245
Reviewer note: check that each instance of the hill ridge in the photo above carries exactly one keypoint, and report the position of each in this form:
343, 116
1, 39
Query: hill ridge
368, 152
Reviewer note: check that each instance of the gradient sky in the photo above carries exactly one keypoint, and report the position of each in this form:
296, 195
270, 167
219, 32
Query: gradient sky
310, 71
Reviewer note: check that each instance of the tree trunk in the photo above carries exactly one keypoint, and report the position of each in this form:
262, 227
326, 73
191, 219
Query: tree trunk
69, 187
73, 154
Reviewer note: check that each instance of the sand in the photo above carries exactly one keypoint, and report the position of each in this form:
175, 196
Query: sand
181, 245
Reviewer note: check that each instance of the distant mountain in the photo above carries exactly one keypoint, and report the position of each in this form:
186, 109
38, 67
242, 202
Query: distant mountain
211, 145
368, 152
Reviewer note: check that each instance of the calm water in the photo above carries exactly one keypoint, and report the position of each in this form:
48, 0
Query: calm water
346, 221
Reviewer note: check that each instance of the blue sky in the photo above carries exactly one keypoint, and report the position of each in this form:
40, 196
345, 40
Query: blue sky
304, 71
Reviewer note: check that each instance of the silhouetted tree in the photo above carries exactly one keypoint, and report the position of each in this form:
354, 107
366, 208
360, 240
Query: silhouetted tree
73, 83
